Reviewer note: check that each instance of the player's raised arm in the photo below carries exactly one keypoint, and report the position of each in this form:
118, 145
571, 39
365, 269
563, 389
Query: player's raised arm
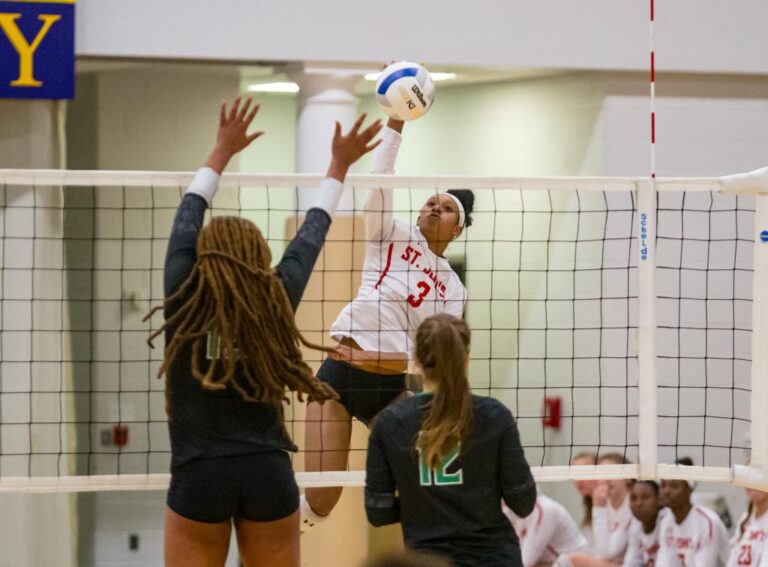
232, 137
299, 259
379, 205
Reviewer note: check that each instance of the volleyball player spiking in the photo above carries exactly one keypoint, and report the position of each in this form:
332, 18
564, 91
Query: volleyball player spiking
405, 279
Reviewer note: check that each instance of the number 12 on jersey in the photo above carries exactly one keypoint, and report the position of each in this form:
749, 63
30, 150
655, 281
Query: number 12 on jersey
441, 476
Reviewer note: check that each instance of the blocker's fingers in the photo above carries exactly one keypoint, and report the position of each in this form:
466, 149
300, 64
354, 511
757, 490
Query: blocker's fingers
233, 110
358, 123
255, 135
245, 107
223, 112
252, 114
372, 130
372, 146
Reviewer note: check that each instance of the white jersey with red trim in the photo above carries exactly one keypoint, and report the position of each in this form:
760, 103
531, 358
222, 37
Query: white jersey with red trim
749, 548
700, 540
547, 532
610, 530
643, 548
403, 281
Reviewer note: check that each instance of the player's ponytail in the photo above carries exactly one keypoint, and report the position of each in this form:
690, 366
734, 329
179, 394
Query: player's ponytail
442, 346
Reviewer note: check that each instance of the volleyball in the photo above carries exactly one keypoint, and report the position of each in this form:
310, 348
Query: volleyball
405, 90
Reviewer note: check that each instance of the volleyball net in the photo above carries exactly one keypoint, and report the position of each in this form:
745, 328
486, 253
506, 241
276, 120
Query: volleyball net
611, 315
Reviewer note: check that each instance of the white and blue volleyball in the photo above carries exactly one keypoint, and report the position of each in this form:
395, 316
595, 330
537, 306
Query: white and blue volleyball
405, 90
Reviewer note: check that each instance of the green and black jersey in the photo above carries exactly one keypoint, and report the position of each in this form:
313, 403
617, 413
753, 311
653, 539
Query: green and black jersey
455, 510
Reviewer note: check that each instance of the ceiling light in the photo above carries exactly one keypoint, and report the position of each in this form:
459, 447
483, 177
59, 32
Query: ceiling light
284, 87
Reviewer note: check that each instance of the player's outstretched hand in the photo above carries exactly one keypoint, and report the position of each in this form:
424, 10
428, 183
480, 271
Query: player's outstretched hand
233, 136
347, 148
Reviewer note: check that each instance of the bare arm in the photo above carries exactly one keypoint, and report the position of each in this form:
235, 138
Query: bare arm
371, 361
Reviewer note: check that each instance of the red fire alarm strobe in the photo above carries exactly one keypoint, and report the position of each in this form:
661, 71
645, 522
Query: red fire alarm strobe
120, 435
551, 412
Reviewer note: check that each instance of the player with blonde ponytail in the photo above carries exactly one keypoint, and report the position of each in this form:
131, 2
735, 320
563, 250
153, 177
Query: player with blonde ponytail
442, 462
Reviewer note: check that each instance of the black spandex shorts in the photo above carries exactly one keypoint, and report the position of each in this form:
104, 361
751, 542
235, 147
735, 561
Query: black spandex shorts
364, 394
257, 486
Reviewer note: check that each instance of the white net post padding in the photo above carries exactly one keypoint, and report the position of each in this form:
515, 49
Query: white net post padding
648, 465
646, 333
755, 474
759, 425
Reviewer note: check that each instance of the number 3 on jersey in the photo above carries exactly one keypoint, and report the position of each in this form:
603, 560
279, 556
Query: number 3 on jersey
441, 476
415, 301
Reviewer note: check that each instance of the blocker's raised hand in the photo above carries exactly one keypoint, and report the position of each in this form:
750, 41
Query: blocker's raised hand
233, 136
233, 125
348, 148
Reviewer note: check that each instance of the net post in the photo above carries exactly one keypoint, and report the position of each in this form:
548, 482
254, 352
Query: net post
759, 377
646, 332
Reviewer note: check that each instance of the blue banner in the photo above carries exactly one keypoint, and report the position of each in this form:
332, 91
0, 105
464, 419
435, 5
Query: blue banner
37, 49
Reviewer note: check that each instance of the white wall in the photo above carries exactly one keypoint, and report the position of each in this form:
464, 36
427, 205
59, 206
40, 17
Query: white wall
29, 138
692, 35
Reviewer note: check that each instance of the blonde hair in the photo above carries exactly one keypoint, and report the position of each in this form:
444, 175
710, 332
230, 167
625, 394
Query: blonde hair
442, 342
586, 500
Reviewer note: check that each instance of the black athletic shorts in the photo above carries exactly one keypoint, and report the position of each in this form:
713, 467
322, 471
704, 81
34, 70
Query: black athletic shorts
364, 394
256, 486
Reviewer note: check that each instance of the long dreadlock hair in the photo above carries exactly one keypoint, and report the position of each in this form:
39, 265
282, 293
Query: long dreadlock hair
233, 295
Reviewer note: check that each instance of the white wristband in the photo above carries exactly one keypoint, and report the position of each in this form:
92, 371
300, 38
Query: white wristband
327, 195
205, 183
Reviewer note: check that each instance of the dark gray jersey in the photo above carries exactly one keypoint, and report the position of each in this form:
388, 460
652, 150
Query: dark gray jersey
454, 510
215, 423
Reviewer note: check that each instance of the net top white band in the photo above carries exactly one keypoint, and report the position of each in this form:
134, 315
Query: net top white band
742, 475
753, 182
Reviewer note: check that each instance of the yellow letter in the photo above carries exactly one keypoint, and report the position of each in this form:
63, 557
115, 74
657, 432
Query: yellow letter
26, 50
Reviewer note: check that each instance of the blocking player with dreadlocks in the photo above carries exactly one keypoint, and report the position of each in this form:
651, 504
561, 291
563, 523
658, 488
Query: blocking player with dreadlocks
442, 462
232, 353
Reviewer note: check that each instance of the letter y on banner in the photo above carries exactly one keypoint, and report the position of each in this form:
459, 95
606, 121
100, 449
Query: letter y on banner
37, 49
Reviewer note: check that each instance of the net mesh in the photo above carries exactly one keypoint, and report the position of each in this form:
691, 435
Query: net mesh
551, 269
704, 290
